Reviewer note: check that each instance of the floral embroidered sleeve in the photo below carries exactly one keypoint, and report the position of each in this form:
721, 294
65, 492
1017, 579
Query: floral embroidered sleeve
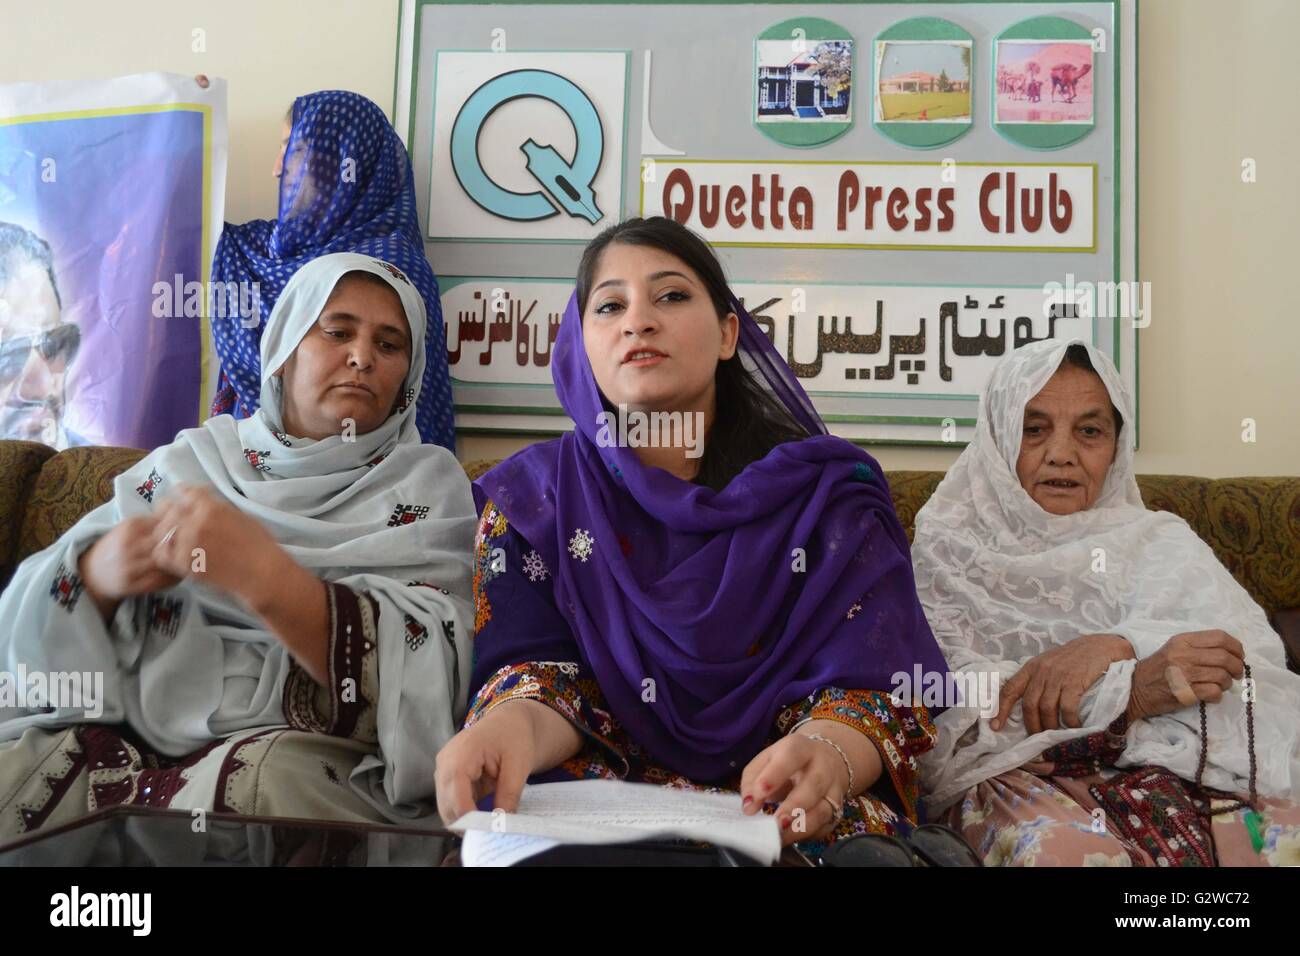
1083, 756
523, 648
345, 705
560, 686
901, 734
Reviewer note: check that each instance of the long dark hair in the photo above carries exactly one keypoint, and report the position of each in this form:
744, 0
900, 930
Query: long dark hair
749, 421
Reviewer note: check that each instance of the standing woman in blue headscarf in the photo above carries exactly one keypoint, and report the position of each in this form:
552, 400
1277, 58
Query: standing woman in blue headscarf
345, 186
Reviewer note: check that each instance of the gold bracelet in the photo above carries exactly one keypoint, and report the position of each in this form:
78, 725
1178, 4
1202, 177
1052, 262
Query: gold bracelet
843, 756
837, 813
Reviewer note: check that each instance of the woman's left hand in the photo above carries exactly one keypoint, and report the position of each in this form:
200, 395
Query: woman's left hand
807, 775
199, 534
1053, 683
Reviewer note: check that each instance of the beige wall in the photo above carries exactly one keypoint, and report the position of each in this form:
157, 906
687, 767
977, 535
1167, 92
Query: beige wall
269, 51
1217, 87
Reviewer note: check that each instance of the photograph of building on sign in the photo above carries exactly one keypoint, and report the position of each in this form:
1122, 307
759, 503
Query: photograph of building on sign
923, 82
809, 80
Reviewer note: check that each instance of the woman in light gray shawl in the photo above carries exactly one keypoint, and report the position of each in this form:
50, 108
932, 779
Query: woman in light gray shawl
271, 615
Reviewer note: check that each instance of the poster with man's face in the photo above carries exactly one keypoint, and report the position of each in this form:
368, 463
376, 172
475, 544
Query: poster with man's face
109, 211
36, 345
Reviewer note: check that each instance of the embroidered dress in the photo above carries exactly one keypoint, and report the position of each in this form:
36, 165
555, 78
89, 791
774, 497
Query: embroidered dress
299, 769
191, 677
523, 650
1147, 817
1019, 818
731, 603
683, 628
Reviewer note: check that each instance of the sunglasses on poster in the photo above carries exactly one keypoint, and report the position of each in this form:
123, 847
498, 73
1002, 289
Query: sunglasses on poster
58, 347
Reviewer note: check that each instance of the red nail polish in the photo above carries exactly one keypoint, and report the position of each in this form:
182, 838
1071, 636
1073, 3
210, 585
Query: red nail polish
744, 804
785, 823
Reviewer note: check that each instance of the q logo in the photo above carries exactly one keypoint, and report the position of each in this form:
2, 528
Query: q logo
568, 184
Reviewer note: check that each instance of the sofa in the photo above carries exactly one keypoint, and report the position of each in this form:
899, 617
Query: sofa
1253, 524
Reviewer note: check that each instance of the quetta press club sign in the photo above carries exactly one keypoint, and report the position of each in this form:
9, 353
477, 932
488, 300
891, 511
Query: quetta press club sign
945, 205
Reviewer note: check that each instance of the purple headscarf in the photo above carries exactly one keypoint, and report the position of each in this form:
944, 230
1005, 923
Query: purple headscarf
703, 592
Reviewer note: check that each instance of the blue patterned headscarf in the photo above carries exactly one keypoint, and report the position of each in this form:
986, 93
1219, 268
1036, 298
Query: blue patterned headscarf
346, 187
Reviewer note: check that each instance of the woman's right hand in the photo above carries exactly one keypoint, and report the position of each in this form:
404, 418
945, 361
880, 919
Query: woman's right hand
1191, 667
496, 754
120, 564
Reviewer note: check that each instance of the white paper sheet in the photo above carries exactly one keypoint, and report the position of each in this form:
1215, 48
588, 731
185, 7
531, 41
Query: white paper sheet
485, 848
611, 811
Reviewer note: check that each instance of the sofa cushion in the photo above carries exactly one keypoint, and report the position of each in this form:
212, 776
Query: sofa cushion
20, 464
1253, 524
478, 468
910, 490
71, 484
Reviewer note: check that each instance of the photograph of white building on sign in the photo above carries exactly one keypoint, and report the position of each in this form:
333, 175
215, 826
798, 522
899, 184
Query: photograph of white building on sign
811, 85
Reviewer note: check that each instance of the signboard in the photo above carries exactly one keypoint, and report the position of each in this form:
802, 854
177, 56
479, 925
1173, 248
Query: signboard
899, 192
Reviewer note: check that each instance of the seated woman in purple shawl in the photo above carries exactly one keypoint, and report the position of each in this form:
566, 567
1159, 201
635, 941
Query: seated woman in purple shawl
724, 620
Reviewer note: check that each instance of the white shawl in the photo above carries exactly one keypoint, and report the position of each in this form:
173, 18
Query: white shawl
217, 670
1002, 580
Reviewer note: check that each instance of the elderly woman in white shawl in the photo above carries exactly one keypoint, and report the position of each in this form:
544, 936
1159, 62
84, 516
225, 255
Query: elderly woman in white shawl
270, 616
1145, 712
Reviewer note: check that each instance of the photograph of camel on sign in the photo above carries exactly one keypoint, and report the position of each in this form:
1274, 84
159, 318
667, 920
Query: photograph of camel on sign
1044, 82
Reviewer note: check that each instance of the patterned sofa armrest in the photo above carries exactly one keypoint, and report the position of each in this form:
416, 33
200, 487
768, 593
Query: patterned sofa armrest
910, 491
1253, 525
71, 484
20, 465
479, 467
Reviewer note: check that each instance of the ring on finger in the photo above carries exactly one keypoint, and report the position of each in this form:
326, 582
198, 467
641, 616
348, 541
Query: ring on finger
166, 539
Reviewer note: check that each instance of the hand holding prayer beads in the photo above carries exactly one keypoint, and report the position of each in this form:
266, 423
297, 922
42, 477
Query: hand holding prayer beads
1207, 661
